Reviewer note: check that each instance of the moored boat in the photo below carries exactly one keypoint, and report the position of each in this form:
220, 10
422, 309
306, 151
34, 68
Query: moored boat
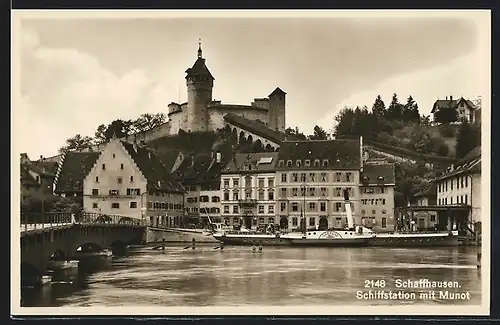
408, 239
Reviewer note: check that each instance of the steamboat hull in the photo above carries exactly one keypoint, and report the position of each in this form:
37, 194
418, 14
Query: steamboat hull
253, 241
354, 242
415, 240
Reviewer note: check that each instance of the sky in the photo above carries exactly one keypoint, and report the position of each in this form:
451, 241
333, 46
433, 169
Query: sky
75, 73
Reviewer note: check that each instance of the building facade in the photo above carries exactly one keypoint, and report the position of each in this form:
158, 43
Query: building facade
311, 177
248, 188
37, 178
466, 109
376, 189
460, 186
128, 180
427, 196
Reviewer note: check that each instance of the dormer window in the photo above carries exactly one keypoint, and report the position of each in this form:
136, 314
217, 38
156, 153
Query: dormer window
325, 162
289, 163
380, 178
281, 163
316, 163
307, 163
298, 163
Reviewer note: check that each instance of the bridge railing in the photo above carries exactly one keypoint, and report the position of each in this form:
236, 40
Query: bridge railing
36, 221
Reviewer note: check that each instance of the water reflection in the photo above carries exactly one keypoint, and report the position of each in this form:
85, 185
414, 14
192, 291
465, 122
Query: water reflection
240, 276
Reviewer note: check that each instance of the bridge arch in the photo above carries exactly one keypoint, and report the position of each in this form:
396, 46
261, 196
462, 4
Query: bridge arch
89, 247
126, 221
118, 247
58, 255
30, 275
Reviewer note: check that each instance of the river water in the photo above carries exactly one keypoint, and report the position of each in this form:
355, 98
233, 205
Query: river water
240, 276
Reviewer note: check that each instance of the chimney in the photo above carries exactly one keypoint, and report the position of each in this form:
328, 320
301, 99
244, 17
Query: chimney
41, 158
218, 157
446, 97
451, 97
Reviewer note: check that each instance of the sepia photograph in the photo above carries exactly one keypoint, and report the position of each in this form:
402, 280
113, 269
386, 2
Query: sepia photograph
250, 162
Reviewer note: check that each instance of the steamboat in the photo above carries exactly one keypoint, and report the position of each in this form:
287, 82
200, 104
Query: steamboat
351, 236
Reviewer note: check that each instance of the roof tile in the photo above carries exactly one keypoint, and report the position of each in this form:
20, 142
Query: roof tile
74, 169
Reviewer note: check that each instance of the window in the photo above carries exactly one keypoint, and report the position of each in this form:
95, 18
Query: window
295, 221
466, 181
338, 176
338, 207
261, 182
338, 191
451, 200
298, 163
294, 191
133, 191
283, 206
261, 209
303, 191
283, 178
374, 211
270, 220
103, 166
226, 209
283, 192
150, 205
236, 183
295, 207
312, 222
226, 196
114, 156
133, 205
312, 206
97, 179
121, 166
465, 198
115, 205
270, 209
322, 206
433, 218
114, 192
451, 184
120, 180
312, 177
325, 163
312, 191
95, 205
215, 199
295, 177
307, 163
384, 222
261, 221
270, 195
303, 177
131, 179
323, 191
382, 190
235, 196
281, 163
248, 194
226, 183
383, 201
462, 181
270, 182
95, 191
348, 177
235, 209
204, 198
324, 177
384, 211
289, 163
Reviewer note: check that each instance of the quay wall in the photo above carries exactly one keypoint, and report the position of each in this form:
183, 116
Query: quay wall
154, 235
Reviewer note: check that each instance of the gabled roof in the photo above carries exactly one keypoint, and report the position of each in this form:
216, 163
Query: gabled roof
277, 91
378, 174
157, 175
199, 69
75, 167
340, 153
258, 161
27, 179
428, 190
197, 169
48, 168
257, 128
448, 103
471, 163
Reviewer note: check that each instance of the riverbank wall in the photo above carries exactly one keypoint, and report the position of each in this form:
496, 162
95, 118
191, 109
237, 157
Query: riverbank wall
175, 235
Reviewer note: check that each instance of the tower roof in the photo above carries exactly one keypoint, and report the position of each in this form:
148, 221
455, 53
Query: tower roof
277, 91
199, 68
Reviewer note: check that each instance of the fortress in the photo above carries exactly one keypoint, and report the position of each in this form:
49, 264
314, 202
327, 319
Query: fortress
201, 113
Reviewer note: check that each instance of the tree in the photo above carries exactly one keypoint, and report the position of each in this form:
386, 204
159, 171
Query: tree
319, 134
378, 107
468, 138
345, 122
425, 120
410, 111
120, 128
295, 132
446, 114
395, 109
77, 143
147, 121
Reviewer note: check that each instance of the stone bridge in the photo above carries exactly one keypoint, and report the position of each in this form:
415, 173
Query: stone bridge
39, 243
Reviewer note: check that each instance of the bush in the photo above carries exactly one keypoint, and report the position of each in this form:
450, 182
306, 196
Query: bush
447, 130
443, 149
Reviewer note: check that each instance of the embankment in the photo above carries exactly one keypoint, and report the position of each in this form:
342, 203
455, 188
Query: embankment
174, 235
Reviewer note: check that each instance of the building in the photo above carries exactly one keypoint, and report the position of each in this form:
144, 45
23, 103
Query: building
200, 176
426, 196
466, 109
129, 180
377, 183
202, 113
460, 186
37, 178
311, 177
248, 183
